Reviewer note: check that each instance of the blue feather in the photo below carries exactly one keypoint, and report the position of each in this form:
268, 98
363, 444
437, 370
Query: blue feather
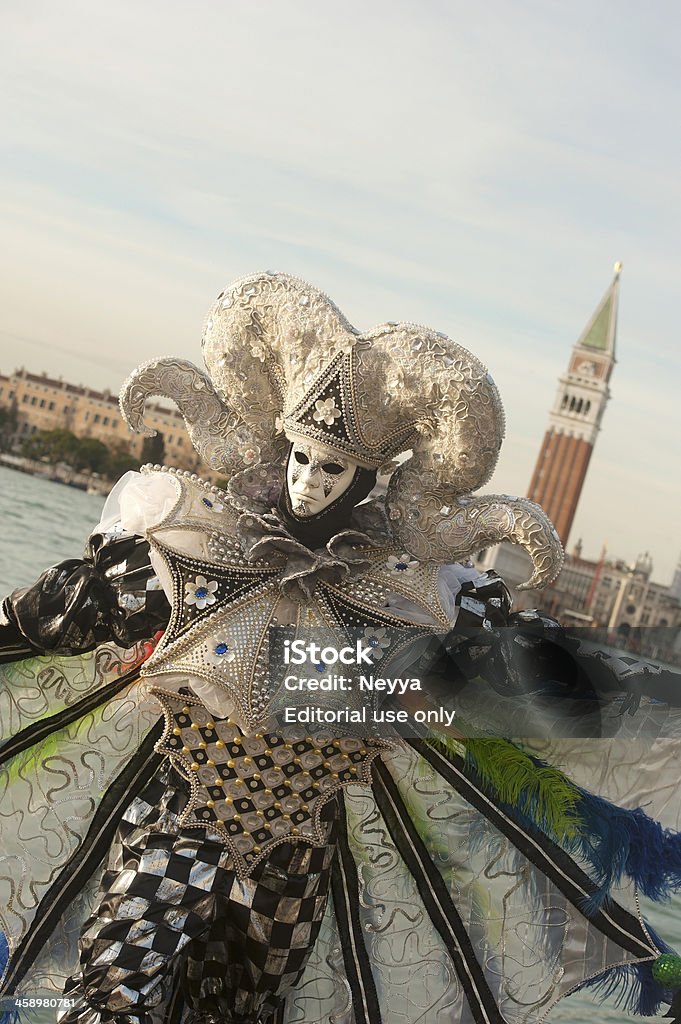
615, 842
618, 843
631, 987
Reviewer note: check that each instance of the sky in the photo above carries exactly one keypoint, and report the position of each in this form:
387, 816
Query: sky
477, 168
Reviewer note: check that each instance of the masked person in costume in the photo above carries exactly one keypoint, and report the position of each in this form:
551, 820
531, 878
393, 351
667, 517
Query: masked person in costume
204, 864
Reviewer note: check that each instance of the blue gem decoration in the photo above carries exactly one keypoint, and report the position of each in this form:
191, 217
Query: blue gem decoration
401, 566
221, 648
207, 502
320, 666
201, 592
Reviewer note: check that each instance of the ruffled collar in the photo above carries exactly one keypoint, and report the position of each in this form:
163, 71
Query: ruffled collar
261, 532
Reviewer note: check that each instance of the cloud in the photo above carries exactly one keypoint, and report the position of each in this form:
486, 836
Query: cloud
478, 168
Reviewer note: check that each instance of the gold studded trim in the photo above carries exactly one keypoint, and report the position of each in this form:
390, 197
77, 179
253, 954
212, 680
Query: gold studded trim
257, 791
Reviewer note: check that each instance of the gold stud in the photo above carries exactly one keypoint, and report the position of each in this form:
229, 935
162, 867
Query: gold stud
229, 800
269, 792
286, 817
327, 764
353, 770
237, 740
195, 725
177, 732
288, 746
246, 833
218, 782
267, 826
334, 775
261, 814
305, 807
219, 743
236, 817
295, 830
203, 744
336, 743
256, 775
258, 735
195, 766
277, 804
306, 772
210, 725
186, 710
248, 760
238, 782
296, 760
210, 763
186, 750
231, 763
210, 803
268, 752
256, 849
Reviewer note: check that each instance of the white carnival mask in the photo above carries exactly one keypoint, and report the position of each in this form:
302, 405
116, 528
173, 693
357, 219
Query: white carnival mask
316, 477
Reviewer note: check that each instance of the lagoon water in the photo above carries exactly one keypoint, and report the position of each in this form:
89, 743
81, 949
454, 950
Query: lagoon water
42, 522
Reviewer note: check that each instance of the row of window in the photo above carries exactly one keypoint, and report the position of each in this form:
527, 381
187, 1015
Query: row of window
576, 405
40, 403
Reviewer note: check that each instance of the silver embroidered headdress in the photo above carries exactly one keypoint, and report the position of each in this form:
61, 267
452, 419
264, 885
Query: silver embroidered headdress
283, 363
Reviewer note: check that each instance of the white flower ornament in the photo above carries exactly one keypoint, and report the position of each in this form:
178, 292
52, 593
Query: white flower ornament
220, 652
326, 410
201, 592
377, 641
403, 564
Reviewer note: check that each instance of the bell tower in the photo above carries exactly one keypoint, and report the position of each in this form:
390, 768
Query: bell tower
575, 418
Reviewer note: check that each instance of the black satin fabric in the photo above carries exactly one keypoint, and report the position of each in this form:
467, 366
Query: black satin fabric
111, 594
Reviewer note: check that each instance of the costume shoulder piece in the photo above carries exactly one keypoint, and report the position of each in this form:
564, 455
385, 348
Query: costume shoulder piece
234, 572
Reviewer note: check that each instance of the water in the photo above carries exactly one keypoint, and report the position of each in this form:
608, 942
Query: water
44, 522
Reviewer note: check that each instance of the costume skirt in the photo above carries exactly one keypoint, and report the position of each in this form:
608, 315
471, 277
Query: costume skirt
474, 884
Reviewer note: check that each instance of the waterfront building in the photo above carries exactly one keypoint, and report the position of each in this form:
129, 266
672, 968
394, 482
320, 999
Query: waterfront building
45, 403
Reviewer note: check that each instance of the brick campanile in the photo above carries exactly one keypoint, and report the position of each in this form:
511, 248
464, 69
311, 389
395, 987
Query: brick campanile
576, 416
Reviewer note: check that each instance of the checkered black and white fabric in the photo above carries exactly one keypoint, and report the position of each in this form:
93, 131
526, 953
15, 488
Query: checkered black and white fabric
170, 900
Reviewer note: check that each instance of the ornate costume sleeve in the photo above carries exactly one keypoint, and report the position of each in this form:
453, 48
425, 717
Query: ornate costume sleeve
529, 655
111, 594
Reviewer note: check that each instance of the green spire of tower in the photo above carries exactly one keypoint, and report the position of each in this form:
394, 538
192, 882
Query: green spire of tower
601, 331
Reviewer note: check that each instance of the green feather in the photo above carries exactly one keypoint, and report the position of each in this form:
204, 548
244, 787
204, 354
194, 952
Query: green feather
539, 791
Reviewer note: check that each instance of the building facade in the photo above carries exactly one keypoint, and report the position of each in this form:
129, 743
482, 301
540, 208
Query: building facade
43, 403
575, 419
619, 603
